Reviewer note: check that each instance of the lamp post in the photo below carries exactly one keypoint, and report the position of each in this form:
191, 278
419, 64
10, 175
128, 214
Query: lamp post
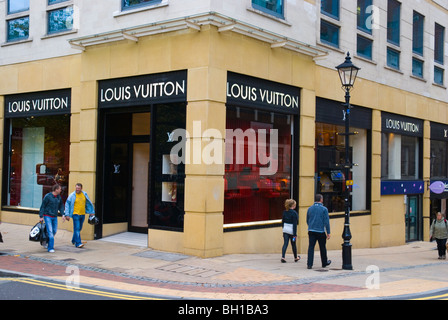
348, 73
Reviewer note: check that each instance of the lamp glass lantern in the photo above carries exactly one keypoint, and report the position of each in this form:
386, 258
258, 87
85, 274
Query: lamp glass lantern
348, 72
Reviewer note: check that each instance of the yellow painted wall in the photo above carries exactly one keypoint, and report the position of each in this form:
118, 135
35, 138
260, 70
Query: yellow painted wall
208, 55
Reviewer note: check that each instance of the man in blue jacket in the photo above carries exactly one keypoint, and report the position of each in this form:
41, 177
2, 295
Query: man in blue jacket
318, 222
77, 206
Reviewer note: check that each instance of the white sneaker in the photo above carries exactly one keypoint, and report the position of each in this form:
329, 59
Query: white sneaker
51, 251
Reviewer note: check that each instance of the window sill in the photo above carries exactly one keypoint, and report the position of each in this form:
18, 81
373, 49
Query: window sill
59, 34
442, 86
14, 42
329, 46
394, 70
267, 15
418, 78
121, 13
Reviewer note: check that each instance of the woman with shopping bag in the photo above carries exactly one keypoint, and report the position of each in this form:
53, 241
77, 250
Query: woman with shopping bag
289, 225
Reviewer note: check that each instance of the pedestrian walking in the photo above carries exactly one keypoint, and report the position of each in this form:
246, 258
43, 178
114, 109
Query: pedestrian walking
318, 222
51, 204
439, 231
289, 224
77, 206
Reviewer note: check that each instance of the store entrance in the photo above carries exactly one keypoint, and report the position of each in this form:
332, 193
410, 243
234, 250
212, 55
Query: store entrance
126, 170
413, 219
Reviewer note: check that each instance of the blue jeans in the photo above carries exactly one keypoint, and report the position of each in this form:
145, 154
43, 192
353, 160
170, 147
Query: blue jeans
52, 227
78, 221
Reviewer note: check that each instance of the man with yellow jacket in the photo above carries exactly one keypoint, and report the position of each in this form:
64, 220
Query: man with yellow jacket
78, 204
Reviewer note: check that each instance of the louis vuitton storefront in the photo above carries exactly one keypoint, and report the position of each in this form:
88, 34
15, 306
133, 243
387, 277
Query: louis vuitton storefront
138, 186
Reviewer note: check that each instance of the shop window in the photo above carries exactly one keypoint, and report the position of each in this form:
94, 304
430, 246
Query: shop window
399, 157
168, 178
131, 4
330, 157
253, 193
273, 7
60, 20
15, 6
39, 158
439, 163
18, 29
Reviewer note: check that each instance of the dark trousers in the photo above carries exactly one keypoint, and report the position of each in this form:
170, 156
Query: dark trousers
322, 239
286, 239
441, 246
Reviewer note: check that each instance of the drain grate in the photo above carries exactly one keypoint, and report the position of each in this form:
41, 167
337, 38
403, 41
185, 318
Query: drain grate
190, 270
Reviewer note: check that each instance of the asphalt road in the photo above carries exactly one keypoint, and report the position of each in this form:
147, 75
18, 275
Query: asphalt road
27, 288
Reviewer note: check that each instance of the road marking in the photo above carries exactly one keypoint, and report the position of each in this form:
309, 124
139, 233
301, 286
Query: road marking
439, 297
79, 290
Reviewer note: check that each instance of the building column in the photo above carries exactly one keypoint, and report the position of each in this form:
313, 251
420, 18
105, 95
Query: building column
427, 178
375, 205
205, 167
306, 165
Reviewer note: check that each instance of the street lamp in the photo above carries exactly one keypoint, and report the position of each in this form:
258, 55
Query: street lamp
348, 73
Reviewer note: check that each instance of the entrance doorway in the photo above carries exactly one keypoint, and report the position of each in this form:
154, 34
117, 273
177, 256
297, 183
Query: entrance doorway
126, 175
413, 218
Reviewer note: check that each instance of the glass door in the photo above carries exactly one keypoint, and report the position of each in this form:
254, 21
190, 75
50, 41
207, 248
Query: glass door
412, 219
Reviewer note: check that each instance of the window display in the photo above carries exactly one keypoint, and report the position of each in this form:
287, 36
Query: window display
330, 157
39, 158
249, 194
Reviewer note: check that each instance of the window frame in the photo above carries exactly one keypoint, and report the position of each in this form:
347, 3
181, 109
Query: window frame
17, 39
394, 22
139, 5
50, 10
8, 11
418, 33
266, 10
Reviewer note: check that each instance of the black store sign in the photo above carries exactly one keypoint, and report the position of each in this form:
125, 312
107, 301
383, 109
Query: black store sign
439, 131
259, 93
166, 87
401, 125
41, 103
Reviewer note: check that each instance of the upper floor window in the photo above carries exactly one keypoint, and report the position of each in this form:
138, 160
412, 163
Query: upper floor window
60, 20
439, 40
330, 8
274, 7
365, 15
18, 29
50, 2
417, 33
18, 6
393, 21
329, 33
131, 4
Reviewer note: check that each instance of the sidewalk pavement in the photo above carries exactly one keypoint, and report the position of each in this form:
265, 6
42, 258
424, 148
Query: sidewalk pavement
378, 272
